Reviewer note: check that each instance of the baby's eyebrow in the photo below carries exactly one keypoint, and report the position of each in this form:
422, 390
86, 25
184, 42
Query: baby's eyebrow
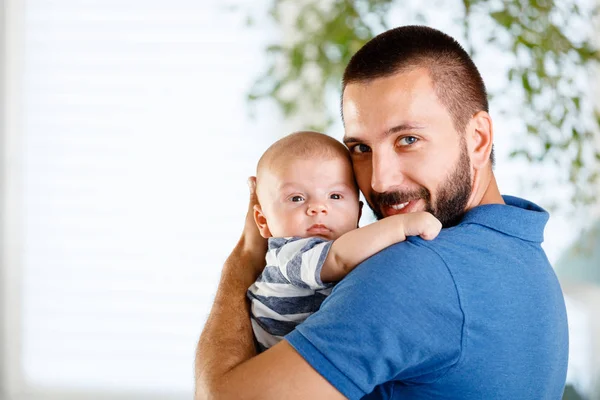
341, 185
286, 186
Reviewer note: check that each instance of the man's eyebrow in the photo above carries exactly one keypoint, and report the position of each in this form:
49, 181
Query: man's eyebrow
398, 128
403, 127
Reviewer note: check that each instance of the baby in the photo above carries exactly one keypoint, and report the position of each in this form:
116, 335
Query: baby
309, 211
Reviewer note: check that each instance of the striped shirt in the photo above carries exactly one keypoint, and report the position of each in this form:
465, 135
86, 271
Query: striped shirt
289, 289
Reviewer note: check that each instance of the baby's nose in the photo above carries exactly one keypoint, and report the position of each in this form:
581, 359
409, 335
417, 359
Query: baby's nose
316, 208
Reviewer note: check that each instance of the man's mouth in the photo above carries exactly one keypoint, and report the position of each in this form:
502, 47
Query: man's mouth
399, 208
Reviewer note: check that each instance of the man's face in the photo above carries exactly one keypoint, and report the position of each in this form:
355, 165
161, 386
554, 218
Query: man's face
407, 155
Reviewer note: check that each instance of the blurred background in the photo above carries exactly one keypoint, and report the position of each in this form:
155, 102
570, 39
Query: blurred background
128, 129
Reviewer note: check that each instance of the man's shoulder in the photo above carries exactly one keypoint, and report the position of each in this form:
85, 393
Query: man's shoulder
405, 267
420, 261
416, 252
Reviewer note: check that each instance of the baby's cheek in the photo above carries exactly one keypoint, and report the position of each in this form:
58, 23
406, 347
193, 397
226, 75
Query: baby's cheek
350, 223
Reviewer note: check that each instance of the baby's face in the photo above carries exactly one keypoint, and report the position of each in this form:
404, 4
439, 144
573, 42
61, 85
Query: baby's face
310, 198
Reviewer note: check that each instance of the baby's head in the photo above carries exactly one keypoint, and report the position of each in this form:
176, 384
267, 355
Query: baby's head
306, 187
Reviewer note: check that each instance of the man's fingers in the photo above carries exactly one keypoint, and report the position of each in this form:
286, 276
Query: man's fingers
252, 185
255, 244
253, 200
252, 188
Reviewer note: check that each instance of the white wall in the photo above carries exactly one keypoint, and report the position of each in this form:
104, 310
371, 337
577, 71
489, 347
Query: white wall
128, 143
2, 217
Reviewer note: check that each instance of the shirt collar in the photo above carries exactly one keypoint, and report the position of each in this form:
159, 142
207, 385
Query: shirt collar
518, 217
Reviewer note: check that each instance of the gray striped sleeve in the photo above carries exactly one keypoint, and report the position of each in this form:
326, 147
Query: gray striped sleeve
303, 262
272, 274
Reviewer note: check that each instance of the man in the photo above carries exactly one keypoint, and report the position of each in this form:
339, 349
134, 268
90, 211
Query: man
475, 314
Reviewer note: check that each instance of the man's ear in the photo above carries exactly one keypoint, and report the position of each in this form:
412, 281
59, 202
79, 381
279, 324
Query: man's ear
360, 207
261, 222
480, 135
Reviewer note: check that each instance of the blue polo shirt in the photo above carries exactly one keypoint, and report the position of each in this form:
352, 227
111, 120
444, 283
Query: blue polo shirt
477, 313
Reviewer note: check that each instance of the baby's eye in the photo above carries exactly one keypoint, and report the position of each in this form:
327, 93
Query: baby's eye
297, 199
360, 148
336, 196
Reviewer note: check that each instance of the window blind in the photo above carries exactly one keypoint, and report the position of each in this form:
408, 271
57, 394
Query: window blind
136, 144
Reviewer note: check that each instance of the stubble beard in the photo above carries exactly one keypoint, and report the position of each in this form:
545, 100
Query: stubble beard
451, 199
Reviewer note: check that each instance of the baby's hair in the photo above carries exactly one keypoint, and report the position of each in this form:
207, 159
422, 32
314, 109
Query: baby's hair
303, 144
300, 145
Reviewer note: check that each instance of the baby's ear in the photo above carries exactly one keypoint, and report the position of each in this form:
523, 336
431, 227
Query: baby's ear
261, 222
360, 207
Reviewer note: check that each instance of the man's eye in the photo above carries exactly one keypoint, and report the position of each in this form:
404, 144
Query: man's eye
407, 140
360, 148
335, 196
297, 199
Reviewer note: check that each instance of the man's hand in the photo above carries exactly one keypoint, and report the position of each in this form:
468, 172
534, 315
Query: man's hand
252, 245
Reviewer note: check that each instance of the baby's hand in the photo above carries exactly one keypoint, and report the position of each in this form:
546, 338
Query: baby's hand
421, 224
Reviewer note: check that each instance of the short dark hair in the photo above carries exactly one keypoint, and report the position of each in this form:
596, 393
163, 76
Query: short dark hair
456, 80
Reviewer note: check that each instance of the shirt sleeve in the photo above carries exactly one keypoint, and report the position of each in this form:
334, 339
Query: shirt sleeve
301, 260
397, 316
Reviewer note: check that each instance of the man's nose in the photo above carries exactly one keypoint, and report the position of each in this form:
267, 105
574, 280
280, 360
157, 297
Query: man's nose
316, 208
386, 172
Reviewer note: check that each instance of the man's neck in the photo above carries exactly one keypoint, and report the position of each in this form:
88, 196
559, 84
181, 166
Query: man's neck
485, 189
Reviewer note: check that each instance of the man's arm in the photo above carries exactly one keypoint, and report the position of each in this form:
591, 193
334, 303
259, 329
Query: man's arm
354, 247
226, 362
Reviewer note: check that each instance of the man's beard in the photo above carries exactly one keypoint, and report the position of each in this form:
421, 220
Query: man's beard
451, 200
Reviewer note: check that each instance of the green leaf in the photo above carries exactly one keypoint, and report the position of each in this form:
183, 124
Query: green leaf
274, 48
526, 84
503, 18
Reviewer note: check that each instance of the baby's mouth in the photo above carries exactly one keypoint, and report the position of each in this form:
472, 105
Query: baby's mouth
319, 229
